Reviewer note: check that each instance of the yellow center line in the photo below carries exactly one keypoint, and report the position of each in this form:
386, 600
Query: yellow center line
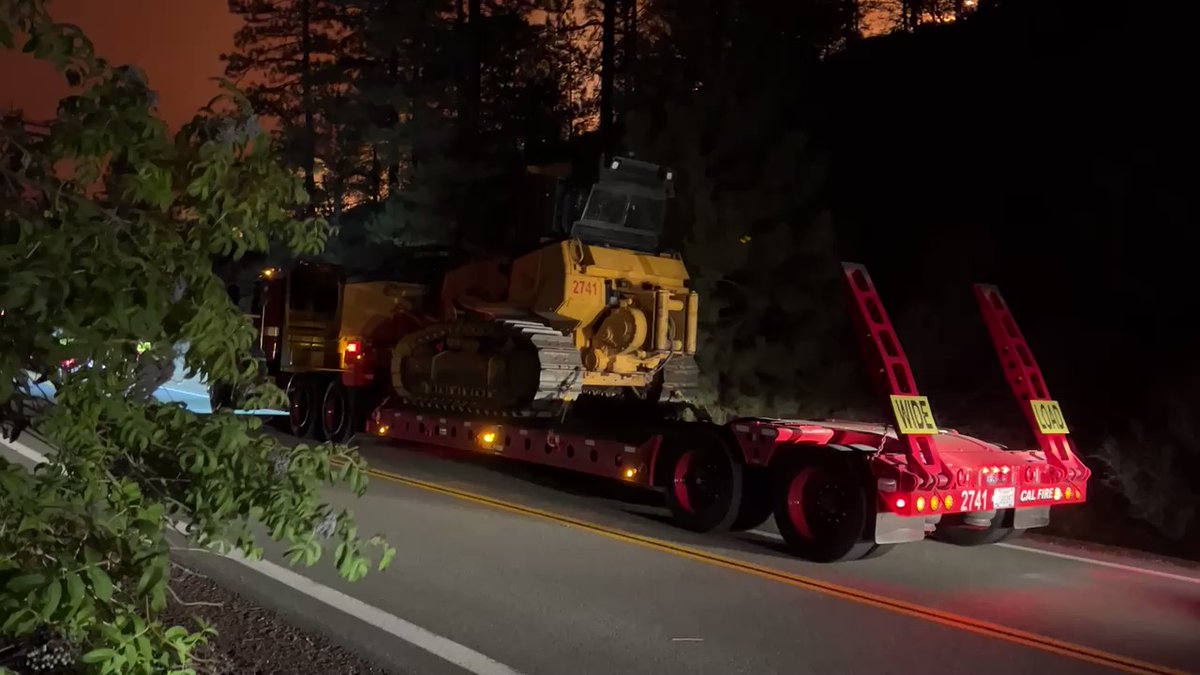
930, 614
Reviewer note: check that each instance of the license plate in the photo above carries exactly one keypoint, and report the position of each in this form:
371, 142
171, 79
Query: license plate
1004, 498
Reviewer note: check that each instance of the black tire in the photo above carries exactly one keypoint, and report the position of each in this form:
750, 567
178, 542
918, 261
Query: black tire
756, 505
953, 530
302, 394
339, 412
703, 482
822, 509
220, 396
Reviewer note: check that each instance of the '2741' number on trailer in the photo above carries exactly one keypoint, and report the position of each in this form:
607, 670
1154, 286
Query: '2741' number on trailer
986, 500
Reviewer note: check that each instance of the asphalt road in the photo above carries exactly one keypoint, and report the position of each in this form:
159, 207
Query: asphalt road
533, 571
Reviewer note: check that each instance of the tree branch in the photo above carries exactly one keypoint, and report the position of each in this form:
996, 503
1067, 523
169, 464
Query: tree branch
194, 603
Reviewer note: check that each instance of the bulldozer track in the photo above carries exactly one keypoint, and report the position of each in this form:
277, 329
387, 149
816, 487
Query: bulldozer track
560, 377
560, 374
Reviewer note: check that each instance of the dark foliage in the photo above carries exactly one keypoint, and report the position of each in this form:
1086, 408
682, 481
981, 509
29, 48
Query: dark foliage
1048, 147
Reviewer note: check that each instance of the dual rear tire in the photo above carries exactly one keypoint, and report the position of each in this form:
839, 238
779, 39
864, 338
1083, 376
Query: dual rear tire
820, 503
823, 510
955, 530
322, 408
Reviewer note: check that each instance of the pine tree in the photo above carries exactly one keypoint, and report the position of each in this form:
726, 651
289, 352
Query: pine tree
750, 212
285, 59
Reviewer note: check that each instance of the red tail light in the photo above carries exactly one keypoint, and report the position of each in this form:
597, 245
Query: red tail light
352, 347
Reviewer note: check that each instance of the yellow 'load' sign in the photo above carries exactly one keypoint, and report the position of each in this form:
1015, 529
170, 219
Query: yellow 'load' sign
1049, 417
913, 415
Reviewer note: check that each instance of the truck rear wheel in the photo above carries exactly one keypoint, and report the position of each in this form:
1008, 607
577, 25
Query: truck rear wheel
756, 504
954, 530
339, 413
704, 483
822, 509
302, 406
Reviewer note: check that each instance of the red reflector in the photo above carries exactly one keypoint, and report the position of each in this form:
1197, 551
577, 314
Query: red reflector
351, 347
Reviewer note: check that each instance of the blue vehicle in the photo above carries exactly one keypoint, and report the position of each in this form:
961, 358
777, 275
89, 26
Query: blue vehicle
195, 393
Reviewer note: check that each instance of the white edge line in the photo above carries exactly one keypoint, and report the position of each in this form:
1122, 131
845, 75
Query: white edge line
1065, 556
1104, 563
460, 655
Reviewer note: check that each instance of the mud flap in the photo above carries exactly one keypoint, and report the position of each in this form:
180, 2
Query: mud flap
1024, 519
893, 529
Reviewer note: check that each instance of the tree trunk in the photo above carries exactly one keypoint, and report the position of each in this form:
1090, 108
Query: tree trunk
630, 47
310, 131
607, 63
474, 75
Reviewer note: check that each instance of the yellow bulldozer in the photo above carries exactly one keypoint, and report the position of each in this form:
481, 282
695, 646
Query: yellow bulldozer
604, 312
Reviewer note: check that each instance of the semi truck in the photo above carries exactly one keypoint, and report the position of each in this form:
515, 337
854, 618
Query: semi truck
838, 490
580, 355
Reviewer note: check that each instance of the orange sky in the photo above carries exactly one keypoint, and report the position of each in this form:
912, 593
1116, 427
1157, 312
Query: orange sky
176, 42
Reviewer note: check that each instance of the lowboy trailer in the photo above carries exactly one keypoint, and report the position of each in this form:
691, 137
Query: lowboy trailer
837, 490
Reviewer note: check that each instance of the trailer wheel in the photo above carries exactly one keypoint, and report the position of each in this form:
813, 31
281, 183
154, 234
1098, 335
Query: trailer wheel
953, 530
822, 511
704, 484
756, 504
339, 412
302, 408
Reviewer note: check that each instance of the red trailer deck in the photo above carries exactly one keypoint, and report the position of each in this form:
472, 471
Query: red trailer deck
838, 490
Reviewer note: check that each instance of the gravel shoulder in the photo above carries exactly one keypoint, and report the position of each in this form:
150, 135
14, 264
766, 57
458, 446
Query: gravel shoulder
250, 639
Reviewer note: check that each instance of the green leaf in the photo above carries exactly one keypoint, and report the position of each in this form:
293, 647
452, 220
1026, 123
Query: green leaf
98, 655
339, 555
28, 522
389, 554
53, 595
16, 618
111, 665
295, 553
312, 552
360, 569
25, 583
101, 584
150, 578
75, 590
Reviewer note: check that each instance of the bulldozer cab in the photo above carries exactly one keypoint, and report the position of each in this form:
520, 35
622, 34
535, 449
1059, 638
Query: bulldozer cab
626, 207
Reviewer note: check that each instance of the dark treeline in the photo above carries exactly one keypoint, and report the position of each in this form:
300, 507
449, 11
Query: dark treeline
1046, 146
1050, 148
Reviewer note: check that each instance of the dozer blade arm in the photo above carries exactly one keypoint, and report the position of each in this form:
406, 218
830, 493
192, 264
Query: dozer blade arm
893, 376
1025, 378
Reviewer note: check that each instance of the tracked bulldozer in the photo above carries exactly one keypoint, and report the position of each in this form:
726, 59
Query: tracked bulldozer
603, 311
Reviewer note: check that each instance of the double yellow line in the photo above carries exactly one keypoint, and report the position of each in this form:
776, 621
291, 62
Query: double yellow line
930, 614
